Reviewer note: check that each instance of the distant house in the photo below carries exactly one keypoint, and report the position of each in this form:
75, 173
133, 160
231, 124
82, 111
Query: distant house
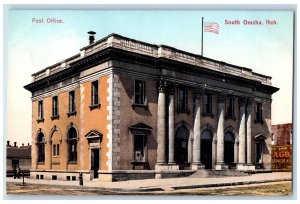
18, 157
282, 134
282, 147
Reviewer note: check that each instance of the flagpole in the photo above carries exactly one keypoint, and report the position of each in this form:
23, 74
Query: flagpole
202, 38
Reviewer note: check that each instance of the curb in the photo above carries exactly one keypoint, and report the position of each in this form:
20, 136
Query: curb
228, 184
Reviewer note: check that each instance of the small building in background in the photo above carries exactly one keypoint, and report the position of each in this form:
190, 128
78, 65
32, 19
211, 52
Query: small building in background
18, 156
282, 147
282, 134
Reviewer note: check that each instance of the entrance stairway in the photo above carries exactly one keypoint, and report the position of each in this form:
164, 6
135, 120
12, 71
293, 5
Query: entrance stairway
218, 173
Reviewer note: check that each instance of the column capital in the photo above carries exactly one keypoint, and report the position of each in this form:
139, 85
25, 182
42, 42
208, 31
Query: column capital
162, 86
242, 101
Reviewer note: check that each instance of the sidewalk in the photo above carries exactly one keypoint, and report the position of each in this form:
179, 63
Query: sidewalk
167, 184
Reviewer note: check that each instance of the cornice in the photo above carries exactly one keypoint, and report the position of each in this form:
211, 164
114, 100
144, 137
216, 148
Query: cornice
159, 63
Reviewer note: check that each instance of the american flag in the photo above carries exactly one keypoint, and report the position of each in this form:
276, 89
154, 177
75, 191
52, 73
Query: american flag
211, 27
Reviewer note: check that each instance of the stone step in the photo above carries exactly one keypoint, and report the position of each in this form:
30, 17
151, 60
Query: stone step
217, 173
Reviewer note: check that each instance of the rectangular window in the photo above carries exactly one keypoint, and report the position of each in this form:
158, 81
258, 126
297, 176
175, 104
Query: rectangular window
54, 106
139, 148
57, 149
258, 112
139, 92
208, 103
15, 163
40, 110
41, 152
54, 150
182, 99
230, 106
72, 151
72, 102
95, 93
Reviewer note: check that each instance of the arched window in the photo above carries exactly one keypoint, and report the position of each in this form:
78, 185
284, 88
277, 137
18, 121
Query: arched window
206, 135
229, 137
72, 144
41, 147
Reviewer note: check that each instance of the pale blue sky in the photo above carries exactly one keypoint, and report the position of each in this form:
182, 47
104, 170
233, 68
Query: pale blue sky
32, 47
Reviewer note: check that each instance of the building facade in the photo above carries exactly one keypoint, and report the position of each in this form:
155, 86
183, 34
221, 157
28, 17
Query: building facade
125, 109
282, 134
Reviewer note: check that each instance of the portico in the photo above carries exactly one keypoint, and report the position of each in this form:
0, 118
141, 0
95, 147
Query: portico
217, 148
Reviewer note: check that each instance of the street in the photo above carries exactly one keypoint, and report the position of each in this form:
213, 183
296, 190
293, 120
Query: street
266, 189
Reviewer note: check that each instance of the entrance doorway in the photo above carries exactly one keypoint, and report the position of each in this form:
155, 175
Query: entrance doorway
95, 162
258, 157
206, 149
181, 146
229, 149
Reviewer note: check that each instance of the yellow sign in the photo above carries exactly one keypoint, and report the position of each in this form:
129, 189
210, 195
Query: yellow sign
282, 158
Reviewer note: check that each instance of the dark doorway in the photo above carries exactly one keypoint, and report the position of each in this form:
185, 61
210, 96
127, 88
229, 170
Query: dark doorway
95, 162
181, 145
206, 149
229, 149
258, 157
206, 153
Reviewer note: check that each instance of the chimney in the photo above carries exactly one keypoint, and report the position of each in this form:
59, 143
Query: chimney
15, 144
22, 144
8, 145
28, 144
91, 37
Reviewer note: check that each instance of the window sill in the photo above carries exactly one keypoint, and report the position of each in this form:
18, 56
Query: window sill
184, 111
208, 115
71, 113
55, 117
56, 156
40, 120
95, 106
144, 164
145, 106
72, 162
41, 163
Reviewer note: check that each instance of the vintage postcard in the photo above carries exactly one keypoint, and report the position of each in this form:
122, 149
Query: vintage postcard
149, 102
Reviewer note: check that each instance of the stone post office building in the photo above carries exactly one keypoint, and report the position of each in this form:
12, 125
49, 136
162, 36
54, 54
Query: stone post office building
126, 109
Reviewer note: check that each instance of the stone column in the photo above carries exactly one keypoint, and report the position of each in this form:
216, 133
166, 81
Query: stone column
161, 121
197, 133
171, 124
250, 165
220, 133
242, 134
